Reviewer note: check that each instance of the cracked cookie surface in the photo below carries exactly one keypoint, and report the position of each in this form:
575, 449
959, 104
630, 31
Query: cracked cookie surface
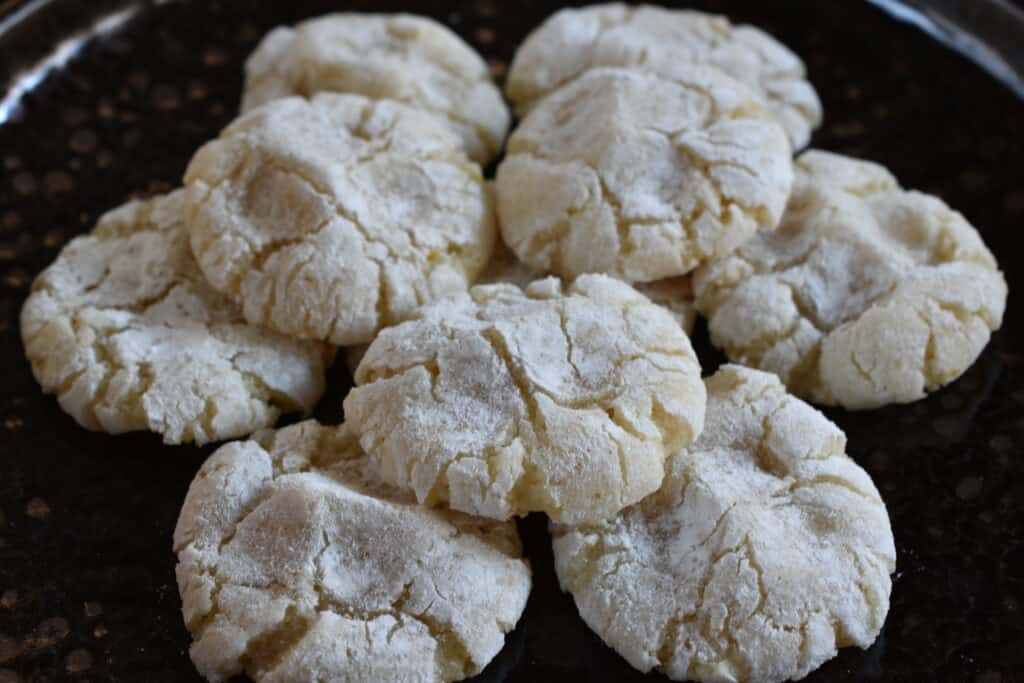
765, 549
296, 563
332, 217
410, 59
502, 401
662, 41
123, 328
641, 177
866, 295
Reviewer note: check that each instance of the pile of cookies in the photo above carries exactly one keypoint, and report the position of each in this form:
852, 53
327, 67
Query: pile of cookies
520, 346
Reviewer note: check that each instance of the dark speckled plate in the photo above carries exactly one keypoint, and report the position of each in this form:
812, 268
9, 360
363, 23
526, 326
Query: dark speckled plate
87, 586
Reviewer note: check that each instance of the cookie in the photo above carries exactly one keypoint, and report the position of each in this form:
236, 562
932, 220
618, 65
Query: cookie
500, 401
399, 57
295, 563
867, 294
329, 218
764, 551
663, 41
641, 177
123, 328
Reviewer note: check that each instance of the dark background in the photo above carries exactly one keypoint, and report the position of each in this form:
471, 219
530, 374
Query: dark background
87, 586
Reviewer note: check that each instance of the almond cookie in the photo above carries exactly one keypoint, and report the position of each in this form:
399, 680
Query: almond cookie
332, 217
295, 563
662, 41
764, 551
399, 57
501, 401
641, 177
128, 334
867, 294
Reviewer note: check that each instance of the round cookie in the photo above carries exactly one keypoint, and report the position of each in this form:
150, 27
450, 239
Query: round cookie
663, 41
641, 177
765, 549
501, 401
128, 334
333, 217
866, 295
410, 59
296, 564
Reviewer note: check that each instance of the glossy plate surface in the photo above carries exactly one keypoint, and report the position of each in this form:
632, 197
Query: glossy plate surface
87, 587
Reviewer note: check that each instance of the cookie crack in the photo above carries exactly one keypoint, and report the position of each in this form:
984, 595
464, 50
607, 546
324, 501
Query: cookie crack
266, 651
862, 371
726, 201
430, 261
450, 645
766, 459
831, 480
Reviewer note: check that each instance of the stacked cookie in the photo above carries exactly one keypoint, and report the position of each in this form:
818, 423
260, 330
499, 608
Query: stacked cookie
520, 348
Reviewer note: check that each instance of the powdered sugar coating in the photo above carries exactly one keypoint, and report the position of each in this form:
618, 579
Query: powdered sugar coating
296, 563
765, 549
866, 295
663, 41
401, 57
128, 334
503, 401
330, 218
640, 176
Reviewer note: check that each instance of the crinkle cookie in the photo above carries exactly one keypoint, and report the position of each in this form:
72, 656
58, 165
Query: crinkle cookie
867, 294
296, 564
663, 41
332, 217
125, 330
641, 177
764, 551
400, 57
502, 401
